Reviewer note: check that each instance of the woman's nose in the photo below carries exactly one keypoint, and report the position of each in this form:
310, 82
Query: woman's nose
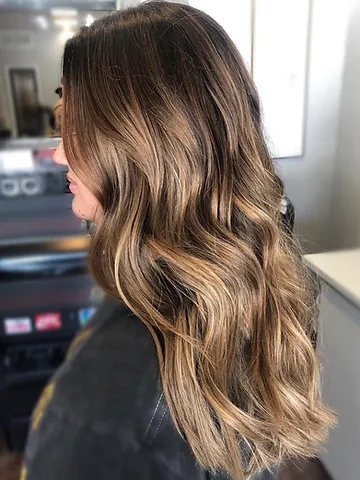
59, 155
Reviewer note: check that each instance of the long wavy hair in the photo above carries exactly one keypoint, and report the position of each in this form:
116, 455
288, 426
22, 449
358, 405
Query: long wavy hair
163, 124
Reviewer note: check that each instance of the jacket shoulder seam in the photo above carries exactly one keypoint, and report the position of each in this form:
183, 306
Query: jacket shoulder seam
153, 415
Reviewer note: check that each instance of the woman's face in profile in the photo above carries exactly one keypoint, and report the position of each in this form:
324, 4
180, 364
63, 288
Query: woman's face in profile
84, 205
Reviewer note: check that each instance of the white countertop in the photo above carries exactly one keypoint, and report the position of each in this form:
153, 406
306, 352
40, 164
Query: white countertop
341, 270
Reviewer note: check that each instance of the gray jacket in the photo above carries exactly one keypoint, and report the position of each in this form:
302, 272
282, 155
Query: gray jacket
103, 416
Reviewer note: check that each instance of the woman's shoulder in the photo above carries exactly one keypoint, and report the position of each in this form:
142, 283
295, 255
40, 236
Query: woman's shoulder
105, 409
111, 377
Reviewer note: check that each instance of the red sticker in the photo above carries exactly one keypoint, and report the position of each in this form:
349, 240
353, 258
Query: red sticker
48, 321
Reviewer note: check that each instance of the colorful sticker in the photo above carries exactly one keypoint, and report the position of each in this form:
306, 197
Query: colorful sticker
17, 326
48, 321
85, 314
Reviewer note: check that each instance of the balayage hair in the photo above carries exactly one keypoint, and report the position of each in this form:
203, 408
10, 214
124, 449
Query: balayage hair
162, 122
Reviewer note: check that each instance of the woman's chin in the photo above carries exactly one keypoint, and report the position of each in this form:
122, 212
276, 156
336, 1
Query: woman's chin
78, 210
91, 213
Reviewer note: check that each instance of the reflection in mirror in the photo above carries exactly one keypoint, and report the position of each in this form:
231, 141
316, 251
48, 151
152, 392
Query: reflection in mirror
31, 47
24, 93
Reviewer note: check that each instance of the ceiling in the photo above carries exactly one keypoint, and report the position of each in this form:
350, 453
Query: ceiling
78, 4
28, 21
37, 15
47, 4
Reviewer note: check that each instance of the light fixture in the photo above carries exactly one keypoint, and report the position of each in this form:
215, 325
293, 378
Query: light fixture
42, 22
63, 12
89, 20
66, 22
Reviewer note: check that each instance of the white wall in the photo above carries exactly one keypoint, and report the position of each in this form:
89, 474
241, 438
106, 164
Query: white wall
345, 221
309, 179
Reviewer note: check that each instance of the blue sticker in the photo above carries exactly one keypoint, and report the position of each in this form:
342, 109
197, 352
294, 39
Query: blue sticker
85, 314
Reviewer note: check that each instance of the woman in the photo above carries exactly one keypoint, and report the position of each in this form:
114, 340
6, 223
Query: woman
57, 109
200, 363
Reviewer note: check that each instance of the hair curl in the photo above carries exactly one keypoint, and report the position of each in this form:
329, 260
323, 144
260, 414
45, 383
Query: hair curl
168, 137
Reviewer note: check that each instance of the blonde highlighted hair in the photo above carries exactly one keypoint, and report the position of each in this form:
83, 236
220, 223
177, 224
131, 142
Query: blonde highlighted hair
168, 137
